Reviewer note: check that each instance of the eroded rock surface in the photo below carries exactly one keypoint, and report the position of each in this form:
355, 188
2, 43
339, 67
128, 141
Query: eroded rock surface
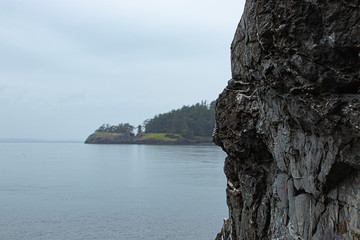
289, 121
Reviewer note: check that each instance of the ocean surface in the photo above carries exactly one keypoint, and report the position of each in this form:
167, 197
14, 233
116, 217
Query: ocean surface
69, 191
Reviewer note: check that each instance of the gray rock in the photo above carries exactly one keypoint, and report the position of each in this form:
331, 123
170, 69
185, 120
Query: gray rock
109, 138
289, 121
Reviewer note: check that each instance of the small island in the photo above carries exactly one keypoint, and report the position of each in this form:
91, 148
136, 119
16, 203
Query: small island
188, 125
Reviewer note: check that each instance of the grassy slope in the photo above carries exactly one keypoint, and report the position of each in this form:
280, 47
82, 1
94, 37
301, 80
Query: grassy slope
158, 136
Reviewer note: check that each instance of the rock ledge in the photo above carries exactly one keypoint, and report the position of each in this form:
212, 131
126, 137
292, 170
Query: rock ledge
289, 121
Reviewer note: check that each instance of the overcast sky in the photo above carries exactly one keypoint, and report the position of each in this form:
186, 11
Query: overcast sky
66, 67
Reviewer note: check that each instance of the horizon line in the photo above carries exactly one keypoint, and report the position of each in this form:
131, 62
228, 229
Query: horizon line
40, 140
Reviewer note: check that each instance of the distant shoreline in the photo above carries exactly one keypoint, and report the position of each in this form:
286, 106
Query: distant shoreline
146, 138
26, 140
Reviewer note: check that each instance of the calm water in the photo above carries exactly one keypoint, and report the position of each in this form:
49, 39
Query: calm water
75, 191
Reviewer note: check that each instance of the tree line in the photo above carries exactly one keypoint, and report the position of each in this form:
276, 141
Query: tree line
188, 121
125, 128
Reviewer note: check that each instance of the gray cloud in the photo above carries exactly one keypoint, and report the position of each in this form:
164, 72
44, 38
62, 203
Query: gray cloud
69, 66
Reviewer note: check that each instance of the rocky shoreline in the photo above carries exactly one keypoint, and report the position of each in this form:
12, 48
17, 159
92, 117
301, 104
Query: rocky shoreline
119, 138
289, 121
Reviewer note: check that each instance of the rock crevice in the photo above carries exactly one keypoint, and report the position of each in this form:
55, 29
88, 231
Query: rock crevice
289, 121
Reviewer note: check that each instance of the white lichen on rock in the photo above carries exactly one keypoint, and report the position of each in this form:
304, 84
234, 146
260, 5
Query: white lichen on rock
289, 121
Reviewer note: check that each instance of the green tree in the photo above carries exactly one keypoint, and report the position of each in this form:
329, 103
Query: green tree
139, 130
124, 128
189, 121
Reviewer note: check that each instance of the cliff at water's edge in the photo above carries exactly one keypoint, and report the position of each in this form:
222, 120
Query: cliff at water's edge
289, 121
145, 138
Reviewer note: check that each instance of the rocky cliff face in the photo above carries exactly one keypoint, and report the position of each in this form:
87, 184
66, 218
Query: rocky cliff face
289, 121
110, 138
